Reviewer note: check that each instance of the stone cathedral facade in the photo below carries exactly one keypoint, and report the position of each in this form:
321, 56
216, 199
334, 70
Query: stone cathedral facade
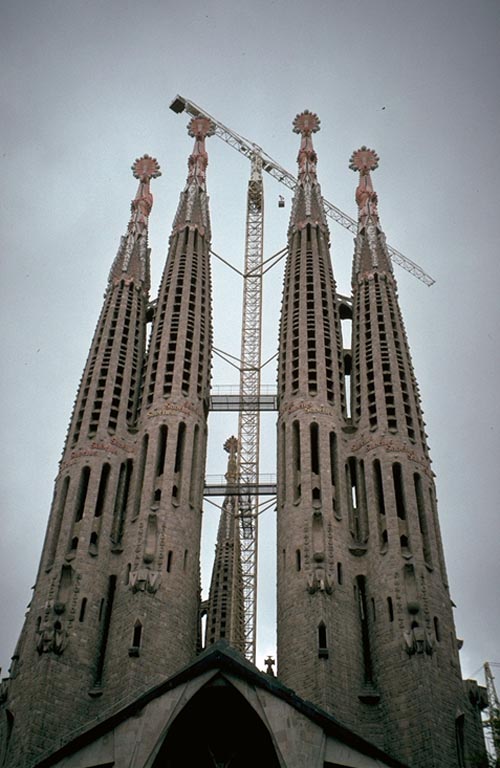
112, 668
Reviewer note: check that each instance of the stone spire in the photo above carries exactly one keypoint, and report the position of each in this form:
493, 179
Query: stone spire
156, 615
65, 634
308, 203
193, 205
311, 419
108, 398
225, 618
132, 258
371, 249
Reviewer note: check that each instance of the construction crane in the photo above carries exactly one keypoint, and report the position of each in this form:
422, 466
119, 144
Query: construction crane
493, 721
250, 360
249, 150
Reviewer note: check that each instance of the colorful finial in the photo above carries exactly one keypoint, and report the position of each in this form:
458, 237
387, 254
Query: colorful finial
146, 168
306, 123
201, 127
365, 160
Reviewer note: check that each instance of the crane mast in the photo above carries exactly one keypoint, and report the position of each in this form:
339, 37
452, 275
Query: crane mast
249, 420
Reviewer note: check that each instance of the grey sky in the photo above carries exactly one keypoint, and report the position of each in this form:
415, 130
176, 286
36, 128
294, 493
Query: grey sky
85, 89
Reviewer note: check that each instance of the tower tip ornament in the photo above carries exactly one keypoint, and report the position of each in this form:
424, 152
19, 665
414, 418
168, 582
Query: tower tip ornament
201, 127
146, 168
306, 123
364, 160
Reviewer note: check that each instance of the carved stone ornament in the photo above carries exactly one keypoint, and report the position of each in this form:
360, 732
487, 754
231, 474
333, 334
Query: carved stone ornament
319, 581
144, 580
52, 639
418, 641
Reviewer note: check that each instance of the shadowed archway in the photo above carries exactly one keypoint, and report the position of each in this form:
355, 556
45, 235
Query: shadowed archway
217, 729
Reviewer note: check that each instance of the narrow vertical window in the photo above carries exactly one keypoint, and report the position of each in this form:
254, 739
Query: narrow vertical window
185, 560
83, 606
122, 493
314, 435
298, 560
365, 632
169, 560
436, 629
296, 461
398, 491
61, 505
340, 577
380, 504
322, 641
140, 476
179, 458
179, 453
104, 614
195, 479
81, 495
161, 450
422, 519
137, 636
390, 609
101, 493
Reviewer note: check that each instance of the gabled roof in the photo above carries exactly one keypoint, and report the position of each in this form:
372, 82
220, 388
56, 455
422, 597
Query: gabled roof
222, 658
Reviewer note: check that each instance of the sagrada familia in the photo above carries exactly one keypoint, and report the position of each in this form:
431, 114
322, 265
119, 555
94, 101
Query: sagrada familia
111, 668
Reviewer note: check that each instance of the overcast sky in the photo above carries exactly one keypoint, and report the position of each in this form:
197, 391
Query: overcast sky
85, 89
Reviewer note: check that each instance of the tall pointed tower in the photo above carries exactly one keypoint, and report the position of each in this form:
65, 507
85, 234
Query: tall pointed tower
225, 618
311, 418
154, 628
406, 654
61, 649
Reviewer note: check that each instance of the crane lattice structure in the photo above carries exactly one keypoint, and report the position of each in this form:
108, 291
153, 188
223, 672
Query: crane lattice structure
493, 721
250, 398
